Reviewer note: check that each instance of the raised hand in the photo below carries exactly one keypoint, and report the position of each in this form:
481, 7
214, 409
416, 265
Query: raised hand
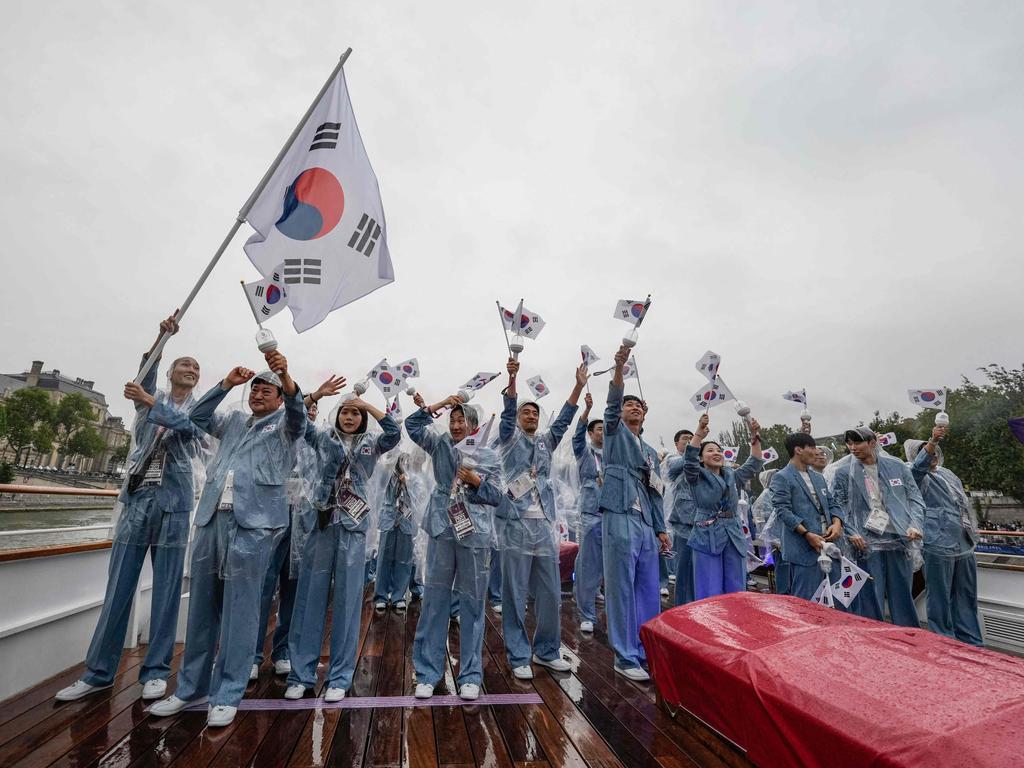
582, 376
277, 362
238, 375
135, 392
512, 367
702, 427
330, 388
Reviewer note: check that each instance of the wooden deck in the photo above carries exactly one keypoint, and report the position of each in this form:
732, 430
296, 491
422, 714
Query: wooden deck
590, 717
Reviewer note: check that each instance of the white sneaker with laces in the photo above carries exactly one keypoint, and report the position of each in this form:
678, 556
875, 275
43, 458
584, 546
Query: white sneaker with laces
671, 578
400, 605
293, 692
496, 608
559, 664
638, 674
586, 626
664, 591
172, 705
380, 605
469, 692
154, 689
254, 673
334, 694
424, 690
282, 667
523, 673
77, 690
220, 716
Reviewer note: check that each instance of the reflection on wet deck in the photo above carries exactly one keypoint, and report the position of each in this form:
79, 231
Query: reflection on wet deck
589, 716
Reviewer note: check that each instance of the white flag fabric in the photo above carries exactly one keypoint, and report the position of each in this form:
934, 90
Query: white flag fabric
480, 381
589, 356
321, 215
796, 397
629, 369
408, 369
823, 594
385, 378
852, 579
769, 455
530, 323
708, 365
730, 452
711, 394
537, 387
928, 398
476, 439
394, 410
268, 296
630, 310
889, 438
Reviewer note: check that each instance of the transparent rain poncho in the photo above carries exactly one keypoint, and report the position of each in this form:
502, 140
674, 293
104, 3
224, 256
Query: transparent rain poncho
166, 464
769, 525
880, 511
950, 524
399, 491
565, 485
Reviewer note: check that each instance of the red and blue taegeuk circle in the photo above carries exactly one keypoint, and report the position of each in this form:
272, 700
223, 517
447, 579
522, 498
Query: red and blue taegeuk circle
385, 378
636, 310
847, 582
927, 396
273, 294
313, 205
408, 369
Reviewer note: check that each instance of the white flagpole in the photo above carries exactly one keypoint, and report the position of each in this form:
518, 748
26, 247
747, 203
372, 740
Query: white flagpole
240, 218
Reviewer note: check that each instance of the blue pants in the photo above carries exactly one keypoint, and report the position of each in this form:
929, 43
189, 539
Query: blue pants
494, 583
782, 574
804, 580
122, 578
278, 578
394, 565
953, 596
630, 583
415, 583
456, 575
589, 568
228, 567
684, 572
334, 554
531, 571
892, 575
719, 574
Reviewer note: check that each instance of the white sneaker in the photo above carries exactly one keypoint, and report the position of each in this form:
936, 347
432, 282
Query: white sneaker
600, 597
671, 578
637, 674
496, 608
334, 694
294, 692
172, 705
400, 605
469, 692
523, 673
220, 716
254, 673
664, 591
154, 689
282, 667
424, 690
586, 626
559, 664
78, 689
380, 605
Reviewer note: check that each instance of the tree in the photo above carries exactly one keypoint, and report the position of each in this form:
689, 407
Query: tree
27, 416
904, 428
6, 473
120, 454
86, 442
73, 413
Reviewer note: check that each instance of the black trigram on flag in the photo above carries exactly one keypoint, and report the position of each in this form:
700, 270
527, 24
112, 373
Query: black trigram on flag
265, 310
302, 271
366, 234
259, 290
326, 136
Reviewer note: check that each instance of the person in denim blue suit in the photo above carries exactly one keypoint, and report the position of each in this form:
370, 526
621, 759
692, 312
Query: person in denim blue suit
680, 518
402, 502
589, 560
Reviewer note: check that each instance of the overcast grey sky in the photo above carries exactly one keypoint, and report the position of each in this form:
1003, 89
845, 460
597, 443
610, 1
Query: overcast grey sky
826, 194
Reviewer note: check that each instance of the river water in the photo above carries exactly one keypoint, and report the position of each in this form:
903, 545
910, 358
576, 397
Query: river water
51, 518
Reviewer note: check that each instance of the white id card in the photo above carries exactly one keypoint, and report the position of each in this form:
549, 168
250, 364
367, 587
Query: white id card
462, 523
227, 498
877, 521
521, 486
656, 482
155, 472
351, 504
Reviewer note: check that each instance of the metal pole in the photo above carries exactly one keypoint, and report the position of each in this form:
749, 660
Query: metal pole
501, 316
242, 214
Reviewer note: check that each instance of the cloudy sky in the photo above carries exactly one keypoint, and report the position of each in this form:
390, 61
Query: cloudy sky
827, 194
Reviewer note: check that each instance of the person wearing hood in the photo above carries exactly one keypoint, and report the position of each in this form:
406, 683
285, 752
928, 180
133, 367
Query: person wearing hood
884, 519
334, 553
459, 522
950, 538
808, 513
402, 495
527, 532
242, 513
586, 447
681, 518
156, 499
718, 542
769, 525
632, 525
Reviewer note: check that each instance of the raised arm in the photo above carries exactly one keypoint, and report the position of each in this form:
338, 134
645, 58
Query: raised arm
173, 418
392, 433
507, 423
418, 426
202, 414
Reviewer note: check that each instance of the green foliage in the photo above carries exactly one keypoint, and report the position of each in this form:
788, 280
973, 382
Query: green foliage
6, 473
27, 416
120, 454
86, 442
904, 428
72, 414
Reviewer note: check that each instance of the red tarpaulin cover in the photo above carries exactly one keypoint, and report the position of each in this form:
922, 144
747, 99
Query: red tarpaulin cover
795, 683
567, 559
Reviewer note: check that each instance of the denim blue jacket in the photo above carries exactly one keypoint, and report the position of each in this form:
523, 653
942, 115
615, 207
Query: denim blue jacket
683, 508
945, 533
714, 494
588, 469
793, 505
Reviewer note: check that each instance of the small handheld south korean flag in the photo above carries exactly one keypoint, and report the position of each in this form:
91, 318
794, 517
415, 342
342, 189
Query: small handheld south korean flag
796, 397
633, 312
852, 579
711, 394
889, 438
408, 369
730, 453
395, 410
530, 323
823, 594
268, 296
385, 378
589, 356
480, 381
708, 365
476, 439
629, 370
768, 455
928, 398
537, 387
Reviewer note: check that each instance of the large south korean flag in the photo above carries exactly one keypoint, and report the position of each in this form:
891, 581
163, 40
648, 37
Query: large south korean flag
321, 215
